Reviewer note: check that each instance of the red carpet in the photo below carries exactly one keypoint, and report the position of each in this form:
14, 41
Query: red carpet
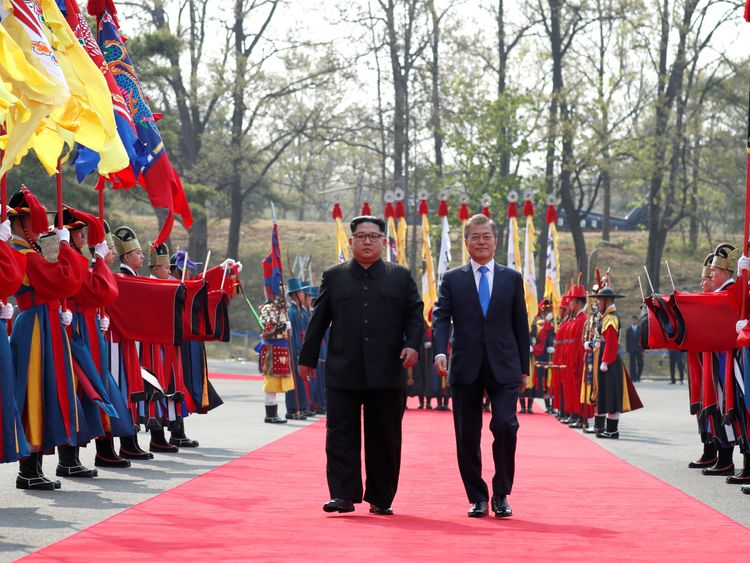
572, 500
236, 376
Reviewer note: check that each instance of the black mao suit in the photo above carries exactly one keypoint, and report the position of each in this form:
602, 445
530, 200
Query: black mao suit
373, 313
487, 353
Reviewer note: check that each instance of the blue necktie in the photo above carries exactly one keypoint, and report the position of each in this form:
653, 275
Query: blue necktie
484, 290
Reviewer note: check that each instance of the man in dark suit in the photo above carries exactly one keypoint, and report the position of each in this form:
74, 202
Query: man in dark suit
490, 352
375, 314
634, 349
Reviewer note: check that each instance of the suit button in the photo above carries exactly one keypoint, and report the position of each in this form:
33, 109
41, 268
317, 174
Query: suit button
367, 339
366, 321
365, 303
364, 287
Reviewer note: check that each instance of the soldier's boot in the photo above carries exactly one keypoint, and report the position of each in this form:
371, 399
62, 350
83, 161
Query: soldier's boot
744, 476
106, 455
707, 459
29, 476
724, 464
598, 425
428, 403
177, 435
68, 464
529, 404
159, 442
272, 415
130, 449
611, 431
548, 405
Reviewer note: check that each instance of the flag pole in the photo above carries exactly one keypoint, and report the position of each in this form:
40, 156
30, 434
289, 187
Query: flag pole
743, 303
3, 183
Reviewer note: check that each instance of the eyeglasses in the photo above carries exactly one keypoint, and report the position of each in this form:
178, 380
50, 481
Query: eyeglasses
372, 237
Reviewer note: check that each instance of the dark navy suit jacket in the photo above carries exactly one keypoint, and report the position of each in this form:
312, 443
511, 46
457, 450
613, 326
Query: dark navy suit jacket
503, 334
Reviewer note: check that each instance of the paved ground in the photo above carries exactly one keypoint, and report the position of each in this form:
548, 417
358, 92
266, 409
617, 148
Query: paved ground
660, 439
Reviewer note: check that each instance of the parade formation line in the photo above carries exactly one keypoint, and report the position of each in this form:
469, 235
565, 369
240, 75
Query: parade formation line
572, 499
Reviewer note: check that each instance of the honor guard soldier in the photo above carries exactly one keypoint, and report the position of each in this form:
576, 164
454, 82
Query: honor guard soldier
542, 339
131, 257
296, 400
273, 359
41, 350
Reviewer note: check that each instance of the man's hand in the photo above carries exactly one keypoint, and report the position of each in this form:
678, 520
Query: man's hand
604, 366
306, 372
409, 357
441, 365
524, 383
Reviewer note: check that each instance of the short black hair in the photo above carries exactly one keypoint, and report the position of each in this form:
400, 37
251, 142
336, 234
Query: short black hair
367, 219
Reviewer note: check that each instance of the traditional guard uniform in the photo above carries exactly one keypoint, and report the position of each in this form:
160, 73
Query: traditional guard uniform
125, 359
574, 360
558, 374
296, 400
718, 371
13, 444
542, 341
318, 385
421, 380
615, 392
46, 394
273, 359
695, 387
84, 332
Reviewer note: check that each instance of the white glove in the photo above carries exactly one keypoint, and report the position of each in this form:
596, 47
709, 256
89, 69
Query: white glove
550, 349
239, 266
598, 344
549, 317
66, 317
740, 325
63, 235
588, 346
743, 263
101, 249
104, 323
427, 345
228, 263
5, 230
288, 325
6, 312
531, 349
604, 366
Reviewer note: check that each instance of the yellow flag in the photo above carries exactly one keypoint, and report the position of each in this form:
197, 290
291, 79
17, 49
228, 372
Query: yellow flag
529, 272
401, 241
429, 289
37, 96
342, 242
97, 130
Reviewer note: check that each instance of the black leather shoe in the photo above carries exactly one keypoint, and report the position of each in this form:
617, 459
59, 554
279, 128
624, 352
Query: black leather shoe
338, 505
164, 448
738, 480
500, 506
101, 461
184, 442
702, 463
746, 489
608, 435
478, 509
76, 471
728, 470
380, 511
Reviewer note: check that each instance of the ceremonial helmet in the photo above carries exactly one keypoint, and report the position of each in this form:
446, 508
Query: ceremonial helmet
308, 288
125, 240
158, 255
706, 271
24, 203
294, 284
726, 256
607, 292
107, 234
543, 305
578, 291
70, 220
177, 260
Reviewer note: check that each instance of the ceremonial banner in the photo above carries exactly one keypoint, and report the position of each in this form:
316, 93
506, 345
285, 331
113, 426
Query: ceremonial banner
429, 289
552, 274
342, 242
463, 216
400, 212
529, 269
444, 258
391, 240
161, 181
514, 252
272, 264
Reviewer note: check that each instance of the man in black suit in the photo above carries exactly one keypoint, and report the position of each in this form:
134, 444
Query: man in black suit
634, 349
490, 352
375, 314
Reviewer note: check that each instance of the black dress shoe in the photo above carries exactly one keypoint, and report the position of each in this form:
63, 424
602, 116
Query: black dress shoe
713, 470
746, 489
738, 480
478, 509
380, 511
701, 463
338, 505
500, 506
608, 435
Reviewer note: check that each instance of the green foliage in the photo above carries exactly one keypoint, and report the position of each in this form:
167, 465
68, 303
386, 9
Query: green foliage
482, 133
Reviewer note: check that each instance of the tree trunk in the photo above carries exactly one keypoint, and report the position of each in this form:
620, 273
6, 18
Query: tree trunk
236, 196
435, 120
